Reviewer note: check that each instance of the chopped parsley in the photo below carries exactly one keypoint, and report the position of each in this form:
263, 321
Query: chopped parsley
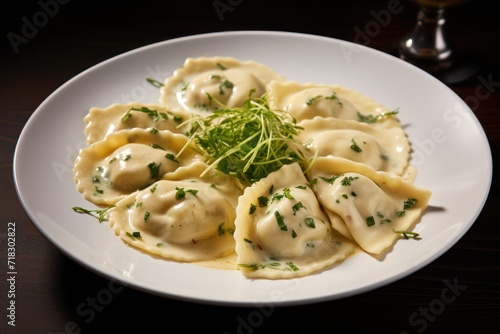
154, 169
280, 221
355, 147
181, 193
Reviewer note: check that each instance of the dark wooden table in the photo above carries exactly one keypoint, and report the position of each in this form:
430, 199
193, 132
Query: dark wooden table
71, 36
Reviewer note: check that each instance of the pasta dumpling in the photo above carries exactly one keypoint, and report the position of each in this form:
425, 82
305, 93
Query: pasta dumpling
119, 116
128, 160
178, 220
383, 149
281, 231
365, 205
200, 80
308, 100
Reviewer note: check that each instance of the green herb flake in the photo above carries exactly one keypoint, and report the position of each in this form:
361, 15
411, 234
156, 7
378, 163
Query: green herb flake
154, 169
280, 221
311, 100
370, 221
221, 67
134, 235
309, 221
355, 147
180, 193
157, 147
225, 84
409, 203
193, 192
292, 266
346, 181
296, 207
263, 200
330, 180
287, 193
171, 157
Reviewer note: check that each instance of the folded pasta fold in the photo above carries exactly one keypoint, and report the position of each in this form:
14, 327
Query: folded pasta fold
367, 206
179, 220
128, 160
281, 231
99, 122
194, 86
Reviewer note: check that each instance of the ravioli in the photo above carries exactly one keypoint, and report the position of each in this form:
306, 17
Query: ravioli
368, 206
128, 160
200, 81
308, 100
185, 221
281, 231
119, 116
351, 189
384, 149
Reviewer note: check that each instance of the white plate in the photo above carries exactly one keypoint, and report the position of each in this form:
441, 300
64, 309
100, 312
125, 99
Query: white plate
450, 150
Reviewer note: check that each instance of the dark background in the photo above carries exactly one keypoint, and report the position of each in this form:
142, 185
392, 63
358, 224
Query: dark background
80, 34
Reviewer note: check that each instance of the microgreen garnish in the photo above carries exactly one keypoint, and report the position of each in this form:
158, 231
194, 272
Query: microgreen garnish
248, 142
290, 266
155, 82
408, 234
375, 118
101, 215
151, 113
311, 100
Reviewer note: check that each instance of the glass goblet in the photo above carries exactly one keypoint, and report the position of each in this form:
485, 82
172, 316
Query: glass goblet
427, 46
